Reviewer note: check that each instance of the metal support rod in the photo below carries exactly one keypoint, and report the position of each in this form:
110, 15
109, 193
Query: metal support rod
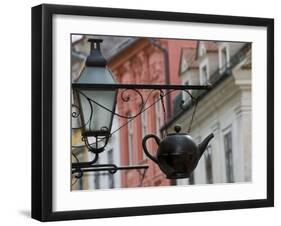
111, 168
115, 168
140, 86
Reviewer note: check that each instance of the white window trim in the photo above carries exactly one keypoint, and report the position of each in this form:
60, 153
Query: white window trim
208, 152
202, 50
144, 127
185, 96
221, 47
130, 142
184, 65
226, 130
204, 63
158, 115
196, 175
144, 123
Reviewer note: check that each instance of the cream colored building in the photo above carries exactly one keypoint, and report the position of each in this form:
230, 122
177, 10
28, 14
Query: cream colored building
225, 110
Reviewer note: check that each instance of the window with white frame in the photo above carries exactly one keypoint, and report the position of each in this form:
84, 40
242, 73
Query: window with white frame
204, 74
80, 184
80, 181
228, 156
185, 96
158, 115
144, 129
208, 164
144, 123
130, 139
110, 175
224, 57
96, 178
192, 176
202, 50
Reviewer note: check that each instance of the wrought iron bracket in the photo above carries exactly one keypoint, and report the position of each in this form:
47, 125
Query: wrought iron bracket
79, 168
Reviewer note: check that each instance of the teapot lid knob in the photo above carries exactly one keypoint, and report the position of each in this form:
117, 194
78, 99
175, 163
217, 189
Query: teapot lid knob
177, 128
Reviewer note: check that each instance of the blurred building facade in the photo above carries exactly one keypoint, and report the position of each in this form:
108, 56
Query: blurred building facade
225, 110
145, 61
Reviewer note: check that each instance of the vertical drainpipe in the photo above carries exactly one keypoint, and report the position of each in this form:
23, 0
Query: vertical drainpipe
167, 72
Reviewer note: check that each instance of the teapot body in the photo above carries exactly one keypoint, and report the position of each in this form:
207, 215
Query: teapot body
177, 156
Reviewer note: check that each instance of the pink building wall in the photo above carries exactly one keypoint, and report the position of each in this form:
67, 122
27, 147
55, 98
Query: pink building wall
144, 63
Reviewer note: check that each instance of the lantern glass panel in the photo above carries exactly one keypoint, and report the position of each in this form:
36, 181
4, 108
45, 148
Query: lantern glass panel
96, 118
97, 106
96, 75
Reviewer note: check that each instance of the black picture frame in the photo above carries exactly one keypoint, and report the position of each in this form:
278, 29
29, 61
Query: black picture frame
42, 111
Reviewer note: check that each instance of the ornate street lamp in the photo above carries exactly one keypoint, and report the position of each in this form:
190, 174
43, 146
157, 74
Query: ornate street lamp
96, 106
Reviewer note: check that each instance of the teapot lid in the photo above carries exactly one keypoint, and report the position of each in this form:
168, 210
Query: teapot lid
177, 129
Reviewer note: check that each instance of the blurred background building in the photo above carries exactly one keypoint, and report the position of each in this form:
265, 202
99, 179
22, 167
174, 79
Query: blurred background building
145, 61
225, 110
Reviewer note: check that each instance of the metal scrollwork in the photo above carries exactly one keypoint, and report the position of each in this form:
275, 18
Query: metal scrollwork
126, 97
145, 101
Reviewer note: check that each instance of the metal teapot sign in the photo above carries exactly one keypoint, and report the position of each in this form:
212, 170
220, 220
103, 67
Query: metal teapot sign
177, 154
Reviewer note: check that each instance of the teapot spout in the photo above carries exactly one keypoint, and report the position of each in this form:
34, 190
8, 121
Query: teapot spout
202, 147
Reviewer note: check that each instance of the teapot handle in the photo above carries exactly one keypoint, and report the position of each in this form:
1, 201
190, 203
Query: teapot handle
154, 159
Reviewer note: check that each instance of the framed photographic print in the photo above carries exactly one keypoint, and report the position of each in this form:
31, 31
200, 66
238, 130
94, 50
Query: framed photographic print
145, 112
